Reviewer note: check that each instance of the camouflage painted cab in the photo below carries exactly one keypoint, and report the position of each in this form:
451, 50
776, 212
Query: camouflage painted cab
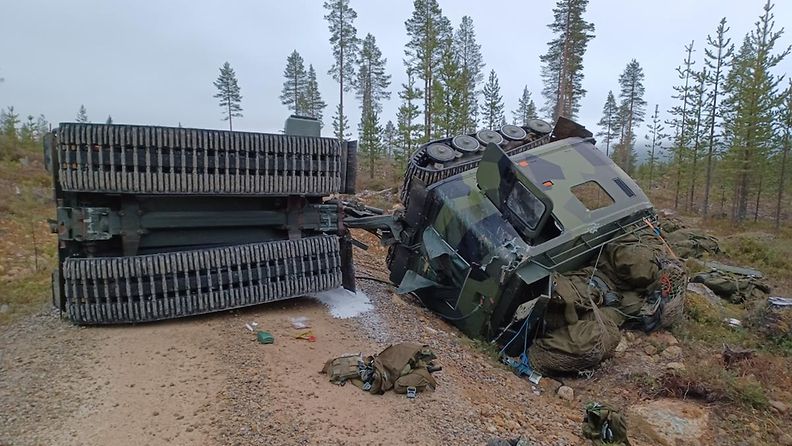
490, 217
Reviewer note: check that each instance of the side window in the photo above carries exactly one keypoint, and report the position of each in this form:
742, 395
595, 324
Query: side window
525, 206
591, 195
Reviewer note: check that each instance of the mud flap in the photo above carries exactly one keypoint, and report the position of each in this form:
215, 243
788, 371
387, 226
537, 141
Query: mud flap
347, 263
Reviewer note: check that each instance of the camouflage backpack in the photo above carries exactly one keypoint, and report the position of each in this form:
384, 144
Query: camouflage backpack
343, 369
605, 426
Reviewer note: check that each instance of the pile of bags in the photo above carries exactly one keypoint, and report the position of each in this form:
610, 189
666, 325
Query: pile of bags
737, 285
635, 283
403, 368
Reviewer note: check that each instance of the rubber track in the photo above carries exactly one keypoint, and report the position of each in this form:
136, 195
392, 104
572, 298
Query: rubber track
165, 160
430, 175
104, 290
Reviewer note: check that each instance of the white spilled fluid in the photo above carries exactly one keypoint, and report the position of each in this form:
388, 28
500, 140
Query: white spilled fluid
343, 303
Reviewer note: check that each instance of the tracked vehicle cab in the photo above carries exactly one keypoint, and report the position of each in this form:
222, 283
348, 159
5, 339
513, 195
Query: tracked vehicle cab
484, 229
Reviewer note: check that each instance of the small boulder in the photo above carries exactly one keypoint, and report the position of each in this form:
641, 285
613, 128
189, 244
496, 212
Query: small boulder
650, 349
675, 366
779, 407
4, 309
672, 352
622, 346
566, 393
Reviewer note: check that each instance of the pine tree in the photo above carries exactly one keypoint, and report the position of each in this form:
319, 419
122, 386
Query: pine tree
655, 139
717, 57
492, 106
314, 105
389, 136
372, 88
752, 101
471, 64
610, 121
526, 109
109, 120
344, 41
785, 122
429, 32
680, 121
562, 65
697, 109
409, 131
293, 93
82, 115
632, 109
228, 94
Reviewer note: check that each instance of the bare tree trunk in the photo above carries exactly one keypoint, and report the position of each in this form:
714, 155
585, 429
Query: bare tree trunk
230, 118
781, 181
758, 197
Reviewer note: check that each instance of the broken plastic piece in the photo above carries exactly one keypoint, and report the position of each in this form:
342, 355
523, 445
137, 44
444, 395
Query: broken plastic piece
306, 335
300, 322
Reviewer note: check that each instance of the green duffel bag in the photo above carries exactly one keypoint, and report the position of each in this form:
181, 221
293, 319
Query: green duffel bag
605, 426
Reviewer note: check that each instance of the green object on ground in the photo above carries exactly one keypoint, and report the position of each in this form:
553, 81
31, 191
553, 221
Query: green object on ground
265, 337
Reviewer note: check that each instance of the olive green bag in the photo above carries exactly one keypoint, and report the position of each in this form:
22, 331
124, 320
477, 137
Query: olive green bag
605, 426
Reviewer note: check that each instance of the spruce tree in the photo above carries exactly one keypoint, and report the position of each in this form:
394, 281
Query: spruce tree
372, 88
109, 120
717, 57
610, 121
42, 127
82, 115
293, 93
562, 64
655, 139
9, 120
344, 41
228, 94
526, 109
428, 31
28, 131
370, 141
632, 109
492, 105
409, 130
341, 125
314, 105
471, 64
752, 101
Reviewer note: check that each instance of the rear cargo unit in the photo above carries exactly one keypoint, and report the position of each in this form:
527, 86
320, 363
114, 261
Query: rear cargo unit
159, 222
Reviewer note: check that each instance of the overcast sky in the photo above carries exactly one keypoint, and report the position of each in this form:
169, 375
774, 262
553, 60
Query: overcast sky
153, 62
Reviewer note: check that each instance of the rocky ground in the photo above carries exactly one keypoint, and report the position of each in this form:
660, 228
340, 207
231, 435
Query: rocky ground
206, 380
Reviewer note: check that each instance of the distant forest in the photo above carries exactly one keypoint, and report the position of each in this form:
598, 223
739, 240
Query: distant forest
721, 150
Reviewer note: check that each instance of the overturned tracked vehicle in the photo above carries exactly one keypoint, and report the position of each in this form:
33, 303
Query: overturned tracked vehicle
528, 236
158, 222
